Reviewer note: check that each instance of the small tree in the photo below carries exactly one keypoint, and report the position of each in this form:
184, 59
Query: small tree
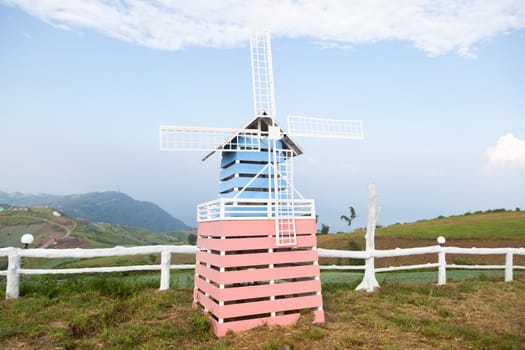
324, 229
192, 239
349, 218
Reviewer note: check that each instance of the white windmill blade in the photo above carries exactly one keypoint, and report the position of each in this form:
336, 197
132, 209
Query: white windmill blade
325, 128
188, 138
262, 74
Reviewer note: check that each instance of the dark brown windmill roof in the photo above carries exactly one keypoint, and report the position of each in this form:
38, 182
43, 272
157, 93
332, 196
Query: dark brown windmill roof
265, 121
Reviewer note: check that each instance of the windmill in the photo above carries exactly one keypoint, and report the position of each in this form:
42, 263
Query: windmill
262, 130
258, 210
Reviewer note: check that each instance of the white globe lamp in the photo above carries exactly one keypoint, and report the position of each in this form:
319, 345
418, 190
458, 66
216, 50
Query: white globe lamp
26, 240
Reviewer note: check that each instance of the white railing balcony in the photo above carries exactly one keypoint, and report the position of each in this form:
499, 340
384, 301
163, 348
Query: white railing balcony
244, 209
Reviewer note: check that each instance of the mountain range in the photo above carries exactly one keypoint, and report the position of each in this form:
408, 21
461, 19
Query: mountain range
110, 207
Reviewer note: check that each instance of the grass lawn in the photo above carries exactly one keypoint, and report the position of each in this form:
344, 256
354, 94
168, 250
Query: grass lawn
126, 311
497, 225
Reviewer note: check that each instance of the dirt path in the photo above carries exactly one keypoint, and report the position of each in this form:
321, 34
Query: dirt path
52, 241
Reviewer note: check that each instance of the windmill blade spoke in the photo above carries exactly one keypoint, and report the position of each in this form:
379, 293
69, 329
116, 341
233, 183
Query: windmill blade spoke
262, 74
325, 128
184, 138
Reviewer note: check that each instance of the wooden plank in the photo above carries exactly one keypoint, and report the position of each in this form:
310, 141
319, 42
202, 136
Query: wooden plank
221, 329
259, 307
238, 260
259, 227
258, 291
244, 276
232, 244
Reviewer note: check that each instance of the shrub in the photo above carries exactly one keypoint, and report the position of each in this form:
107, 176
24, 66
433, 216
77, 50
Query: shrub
354, 245
200, 325
192, 239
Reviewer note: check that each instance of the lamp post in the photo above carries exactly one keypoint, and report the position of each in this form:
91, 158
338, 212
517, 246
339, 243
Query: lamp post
26, 240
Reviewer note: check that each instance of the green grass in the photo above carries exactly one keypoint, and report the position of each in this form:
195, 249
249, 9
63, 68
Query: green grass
413, 277
125, 311
10, 235
150, 259
498, 225
25, 217
14, 220
109, 235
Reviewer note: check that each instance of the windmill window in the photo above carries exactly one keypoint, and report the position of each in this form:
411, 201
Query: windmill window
261, 176
215, 284
242, 284
213, 299
246, 237
256, 189
243, 301
251, 251
242, 268
306, 263
299, 279
295, 296
243, 318
244, 162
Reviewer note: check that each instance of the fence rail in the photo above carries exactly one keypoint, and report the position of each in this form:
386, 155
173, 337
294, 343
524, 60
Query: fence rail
14, 268
370, 270
242, 208
14, 255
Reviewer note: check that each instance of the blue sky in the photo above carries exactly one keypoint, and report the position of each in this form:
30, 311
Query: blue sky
438, 85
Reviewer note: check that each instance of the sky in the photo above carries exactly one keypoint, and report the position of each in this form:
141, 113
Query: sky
439, 86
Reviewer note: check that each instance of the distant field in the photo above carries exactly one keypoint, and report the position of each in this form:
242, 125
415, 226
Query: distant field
497, 225
49, 229
10, 235
44, 226
508, 225
488, 230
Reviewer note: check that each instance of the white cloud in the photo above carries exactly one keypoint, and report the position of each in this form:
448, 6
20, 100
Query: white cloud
434, 26
509, 151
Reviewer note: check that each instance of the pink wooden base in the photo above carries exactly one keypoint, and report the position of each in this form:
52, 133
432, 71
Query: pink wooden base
242, 276
220, 329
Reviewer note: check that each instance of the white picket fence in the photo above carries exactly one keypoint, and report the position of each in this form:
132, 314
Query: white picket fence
441, 265
15, 255
369, 283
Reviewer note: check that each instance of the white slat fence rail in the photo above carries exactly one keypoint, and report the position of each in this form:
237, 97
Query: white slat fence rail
14, 269
15, 255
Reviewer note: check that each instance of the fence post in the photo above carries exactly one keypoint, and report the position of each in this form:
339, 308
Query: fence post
13, 276
165, 264
508, 267
442, 267
369, 282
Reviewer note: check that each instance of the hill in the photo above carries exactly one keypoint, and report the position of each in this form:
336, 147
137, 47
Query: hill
65, 232
491, 224
490, 229
110, 207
